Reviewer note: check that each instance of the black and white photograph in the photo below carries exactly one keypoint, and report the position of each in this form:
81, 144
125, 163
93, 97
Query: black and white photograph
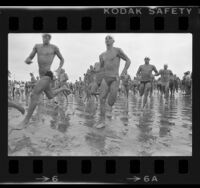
100, 94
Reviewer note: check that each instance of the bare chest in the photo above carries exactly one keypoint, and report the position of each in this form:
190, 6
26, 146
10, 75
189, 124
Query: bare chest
166, 73
109, 56
147, 69
46, 51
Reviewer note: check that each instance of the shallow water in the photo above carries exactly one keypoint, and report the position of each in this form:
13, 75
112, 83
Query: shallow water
163, 128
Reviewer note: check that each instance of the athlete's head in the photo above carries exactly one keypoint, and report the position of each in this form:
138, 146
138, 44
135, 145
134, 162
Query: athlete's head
165, 66
91, 67
46, 38
109, 40
146, 60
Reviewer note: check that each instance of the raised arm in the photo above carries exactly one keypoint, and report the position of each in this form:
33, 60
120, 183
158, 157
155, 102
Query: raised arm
57, 52
31, 56
125, 58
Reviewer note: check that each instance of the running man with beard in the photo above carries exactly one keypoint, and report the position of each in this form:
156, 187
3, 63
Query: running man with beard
145, 73
45, 56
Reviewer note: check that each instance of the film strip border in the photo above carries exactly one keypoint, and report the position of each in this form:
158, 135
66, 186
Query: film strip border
118, 170
86, 24
97, 20
99, 169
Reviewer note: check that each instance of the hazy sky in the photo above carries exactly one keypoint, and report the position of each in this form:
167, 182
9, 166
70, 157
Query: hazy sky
82, 50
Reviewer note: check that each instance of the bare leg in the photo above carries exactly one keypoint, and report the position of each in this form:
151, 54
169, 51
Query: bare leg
33, 103
162, 89
16, 106
127, 91
141, 89
103, 95
34, 99
42, 85
151, 90
146, 93
113, 93
65, 94
166, 90
52, 93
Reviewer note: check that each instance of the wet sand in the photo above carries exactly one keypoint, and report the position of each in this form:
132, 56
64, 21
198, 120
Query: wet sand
163, 128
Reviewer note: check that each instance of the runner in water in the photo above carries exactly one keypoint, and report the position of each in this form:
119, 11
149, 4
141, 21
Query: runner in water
62, 81
145, 73
109, 63
45, 56
165, 77
126, 80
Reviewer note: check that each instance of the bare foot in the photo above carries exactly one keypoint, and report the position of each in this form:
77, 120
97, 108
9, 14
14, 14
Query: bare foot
22, 110
22, 125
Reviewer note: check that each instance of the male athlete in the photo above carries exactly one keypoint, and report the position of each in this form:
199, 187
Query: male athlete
109, 63
126, 80
165, 78
62, 81
45, 56
145, 73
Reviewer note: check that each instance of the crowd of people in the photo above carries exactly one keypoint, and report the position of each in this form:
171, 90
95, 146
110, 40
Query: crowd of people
101, 80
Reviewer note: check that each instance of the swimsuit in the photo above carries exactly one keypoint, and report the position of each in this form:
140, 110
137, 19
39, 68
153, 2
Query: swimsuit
145, 82
110, 80
49, 74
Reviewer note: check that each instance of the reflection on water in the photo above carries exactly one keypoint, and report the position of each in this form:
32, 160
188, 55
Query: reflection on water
164, 128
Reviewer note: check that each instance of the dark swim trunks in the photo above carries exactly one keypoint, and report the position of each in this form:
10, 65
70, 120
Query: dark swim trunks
110, 80
145, 82
49, 74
